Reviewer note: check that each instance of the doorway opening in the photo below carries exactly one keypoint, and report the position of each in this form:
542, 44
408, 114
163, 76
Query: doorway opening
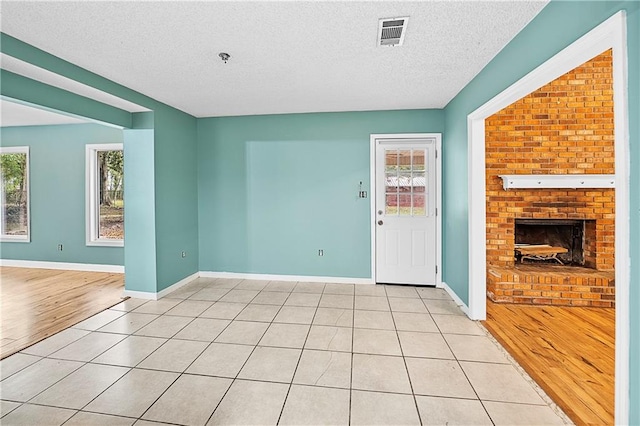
563, 128
608, 35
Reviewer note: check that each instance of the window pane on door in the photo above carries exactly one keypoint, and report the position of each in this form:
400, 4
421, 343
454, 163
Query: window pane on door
419, 182
391, 183
418, 159
419, 205
405, 182
404, 160
404, 204
391, 204
391, 160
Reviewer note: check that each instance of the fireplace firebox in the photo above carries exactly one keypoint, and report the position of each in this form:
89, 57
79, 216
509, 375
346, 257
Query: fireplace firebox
553, 233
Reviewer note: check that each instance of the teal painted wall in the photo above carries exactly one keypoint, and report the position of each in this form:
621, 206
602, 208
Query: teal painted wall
176, 196
139, 220
174, 183
274, 189
557, 26
57, 172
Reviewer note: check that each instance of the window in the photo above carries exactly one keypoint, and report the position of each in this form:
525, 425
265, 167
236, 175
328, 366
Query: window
406, 182
105, 195
14, 167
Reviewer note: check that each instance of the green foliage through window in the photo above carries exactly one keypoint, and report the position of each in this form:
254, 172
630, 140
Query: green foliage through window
111, 192
15, 197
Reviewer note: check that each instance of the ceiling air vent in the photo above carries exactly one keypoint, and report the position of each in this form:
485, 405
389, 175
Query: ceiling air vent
391, 31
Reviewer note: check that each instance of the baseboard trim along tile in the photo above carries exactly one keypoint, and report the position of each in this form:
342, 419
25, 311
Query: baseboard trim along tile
270, 277
37, 264
148, 295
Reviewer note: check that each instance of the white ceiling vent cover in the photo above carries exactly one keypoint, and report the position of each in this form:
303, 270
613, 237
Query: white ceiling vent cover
391, 31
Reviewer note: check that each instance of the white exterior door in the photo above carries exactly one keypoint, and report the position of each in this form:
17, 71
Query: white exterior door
405, 211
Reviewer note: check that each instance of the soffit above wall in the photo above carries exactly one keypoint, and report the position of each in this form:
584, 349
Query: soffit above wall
14, 114
286, 57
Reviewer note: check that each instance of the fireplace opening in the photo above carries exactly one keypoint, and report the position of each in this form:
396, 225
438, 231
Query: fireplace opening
550, 241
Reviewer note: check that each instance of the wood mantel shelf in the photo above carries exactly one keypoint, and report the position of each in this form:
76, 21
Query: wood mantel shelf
573, 181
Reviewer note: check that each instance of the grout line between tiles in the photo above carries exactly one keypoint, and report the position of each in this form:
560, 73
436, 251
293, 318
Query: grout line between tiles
297, 363
353, 323
404, 361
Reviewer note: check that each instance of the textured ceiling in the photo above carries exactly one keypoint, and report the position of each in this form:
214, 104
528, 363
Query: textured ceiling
14, 114
285, 56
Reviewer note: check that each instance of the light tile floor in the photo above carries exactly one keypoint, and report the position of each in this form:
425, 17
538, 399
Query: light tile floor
220, 351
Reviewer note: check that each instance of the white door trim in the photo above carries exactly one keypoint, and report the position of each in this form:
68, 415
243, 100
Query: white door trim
372, 200
611, 34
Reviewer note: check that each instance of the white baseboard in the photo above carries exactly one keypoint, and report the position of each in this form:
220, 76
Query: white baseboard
245, 276
146, 295
456, 299
269, 277
160, 294
181, 283
88, 267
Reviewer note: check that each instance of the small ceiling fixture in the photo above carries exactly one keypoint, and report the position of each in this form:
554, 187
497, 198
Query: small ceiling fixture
391, 31
224, 56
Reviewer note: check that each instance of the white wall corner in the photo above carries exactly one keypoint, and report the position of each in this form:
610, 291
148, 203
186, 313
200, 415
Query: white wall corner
456, 299
181, 283
149, 295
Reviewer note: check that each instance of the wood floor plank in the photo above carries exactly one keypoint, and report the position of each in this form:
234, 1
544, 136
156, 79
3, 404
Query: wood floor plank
569, 352
37, 303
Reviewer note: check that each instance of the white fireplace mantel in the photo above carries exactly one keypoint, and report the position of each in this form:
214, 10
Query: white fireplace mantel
558, 181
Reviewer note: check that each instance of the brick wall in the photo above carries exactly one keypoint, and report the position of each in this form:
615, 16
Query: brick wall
565, 127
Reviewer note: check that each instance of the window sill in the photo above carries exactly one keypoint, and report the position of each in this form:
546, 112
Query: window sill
11, 239
106, 243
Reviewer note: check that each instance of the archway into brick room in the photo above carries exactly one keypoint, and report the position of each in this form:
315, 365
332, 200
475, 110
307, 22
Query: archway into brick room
552, 186
551, 233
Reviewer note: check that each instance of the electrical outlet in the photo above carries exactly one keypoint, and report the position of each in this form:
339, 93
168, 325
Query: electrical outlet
59, 247
320, 252
184, 254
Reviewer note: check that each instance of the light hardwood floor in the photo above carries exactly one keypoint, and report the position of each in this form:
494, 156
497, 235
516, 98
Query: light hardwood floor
37, 303
569, 352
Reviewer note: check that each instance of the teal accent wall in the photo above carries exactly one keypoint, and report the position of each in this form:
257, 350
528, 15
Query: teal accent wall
57, 173
274, 189
559, 24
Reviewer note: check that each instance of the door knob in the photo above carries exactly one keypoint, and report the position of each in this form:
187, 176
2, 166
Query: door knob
380, 222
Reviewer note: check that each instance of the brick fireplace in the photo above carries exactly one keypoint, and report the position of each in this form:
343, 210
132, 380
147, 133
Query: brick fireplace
563, 128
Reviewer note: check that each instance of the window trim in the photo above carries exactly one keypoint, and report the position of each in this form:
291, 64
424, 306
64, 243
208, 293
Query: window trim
91, 197
17, 238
